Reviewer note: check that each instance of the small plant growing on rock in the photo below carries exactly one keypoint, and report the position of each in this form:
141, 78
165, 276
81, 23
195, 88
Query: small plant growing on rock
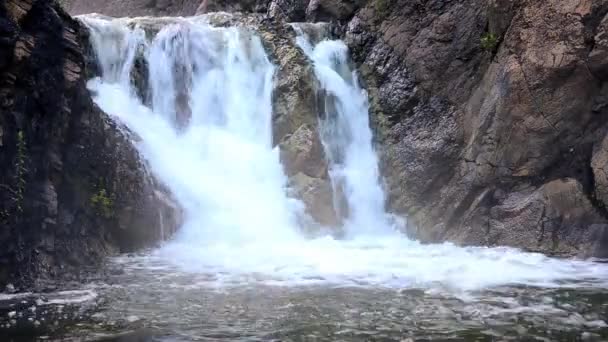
20, 170
102, 203
489, 42
17, 190
382, 8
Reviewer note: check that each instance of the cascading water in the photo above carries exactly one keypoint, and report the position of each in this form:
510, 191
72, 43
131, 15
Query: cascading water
347, 137
217, 84
208, 136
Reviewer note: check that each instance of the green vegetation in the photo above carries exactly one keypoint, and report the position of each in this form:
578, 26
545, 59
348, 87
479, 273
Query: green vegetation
103, 204
489, 42
20, 171
17, 190
382, 8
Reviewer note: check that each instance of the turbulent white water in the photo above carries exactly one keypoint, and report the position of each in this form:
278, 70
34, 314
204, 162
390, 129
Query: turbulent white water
347, 138
208, 136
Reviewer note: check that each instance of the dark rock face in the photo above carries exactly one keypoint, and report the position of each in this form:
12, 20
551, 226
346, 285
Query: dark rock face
491, 118
72, 189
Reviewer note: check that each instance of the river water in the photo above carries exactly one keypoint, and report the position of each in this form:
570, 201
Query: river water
147, 299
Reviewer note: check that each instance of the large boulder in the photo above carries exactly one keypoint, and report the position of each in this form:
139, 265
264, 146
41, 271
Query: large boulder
73, 188
302, 151
288, 10
295, 123
328, 10
317, 196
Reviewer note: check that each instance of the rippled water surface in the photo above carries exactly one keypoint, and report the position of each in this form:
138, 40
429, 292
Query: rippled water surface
148, 300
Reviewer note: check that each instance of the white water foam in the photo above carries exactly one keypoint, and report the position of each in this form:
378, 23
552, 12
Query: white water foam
221, 166
347, 137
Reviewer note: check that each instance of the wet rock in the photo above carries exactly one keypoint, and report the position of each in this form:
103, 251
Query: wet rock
75, 189
303, 152
598, 57
328, 10
599, 164
564, 220
317, 195
288, 10
295, 124
294, 100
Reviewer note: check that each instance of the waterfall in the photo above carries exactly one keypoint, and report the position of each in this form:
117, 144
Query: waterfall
119, 45
206, 132
346, 135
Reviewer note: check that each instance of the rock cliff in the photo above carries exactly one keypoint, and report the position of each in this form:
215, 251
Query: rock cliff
72, 186
491, 118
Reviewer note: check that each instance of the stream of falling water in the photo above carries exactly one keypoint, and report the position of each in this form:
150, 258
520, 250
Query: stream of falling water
347, 137
222, 167
207, 133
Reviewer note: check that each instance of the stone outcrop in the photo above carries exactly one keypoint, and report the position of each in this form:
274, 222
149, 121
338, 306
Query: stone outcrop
72, 186
295, 124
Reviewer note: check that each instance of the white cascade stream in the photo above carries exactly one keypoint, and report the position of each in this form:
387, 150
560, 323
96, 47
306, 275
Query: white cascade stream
347, 137
208, 136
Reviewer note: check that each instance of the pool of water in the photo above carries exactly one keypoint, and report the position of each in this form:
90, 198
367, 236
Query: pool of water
143, 299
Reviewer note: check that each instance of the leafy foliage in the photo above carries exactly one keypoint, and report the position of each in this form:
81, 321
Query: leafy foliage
489, 42
102, 203
382, 8
20, 170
